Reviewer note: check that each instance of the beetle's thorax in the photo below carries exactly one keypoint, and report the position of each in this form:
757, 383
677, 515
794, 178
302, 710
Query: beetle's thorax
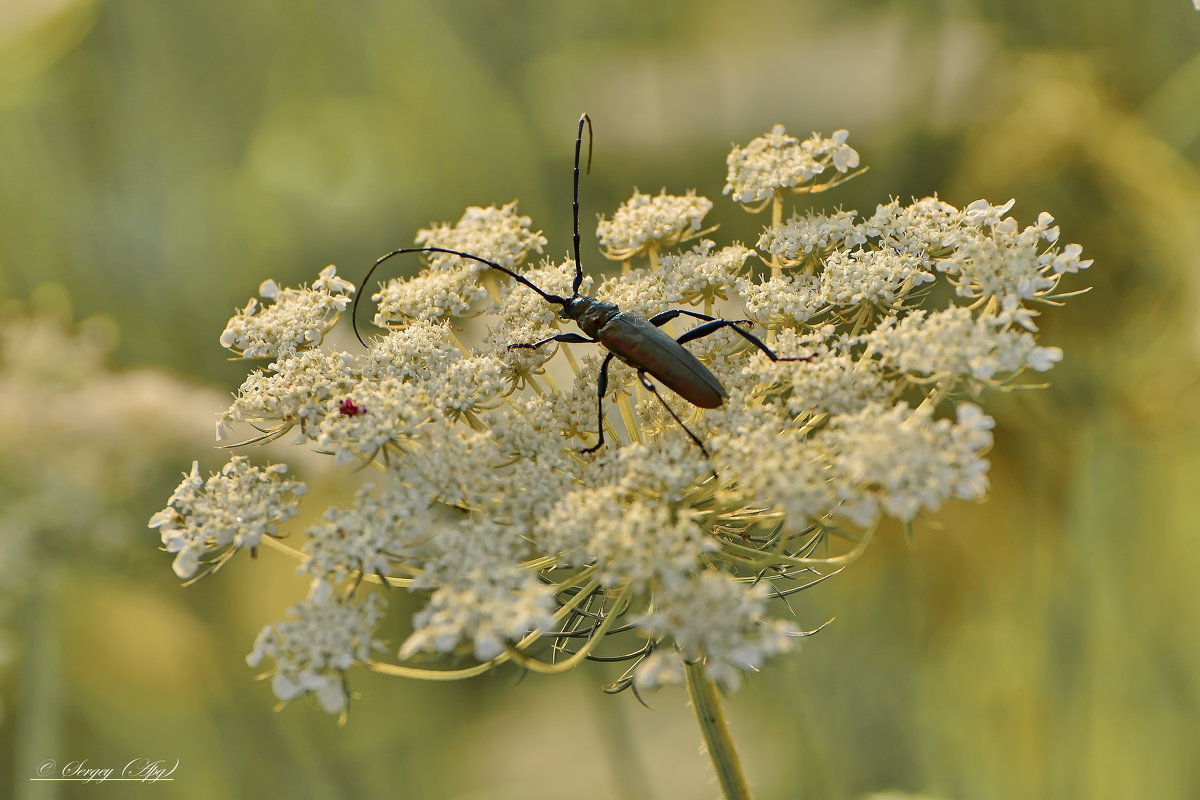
589, 313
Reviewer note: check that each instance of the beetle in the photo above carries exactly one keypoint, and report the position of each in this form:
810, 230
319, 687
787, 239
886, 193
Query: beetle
628, 336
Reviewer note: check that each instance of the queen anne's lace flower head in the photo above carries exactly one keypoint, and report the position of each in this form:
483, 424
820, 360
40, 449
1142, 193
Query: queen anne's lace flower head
525, 548
319, 641
644, 223
776, 163
812, 235
83, 446
229, 511
292, 320
449, 286
497, 234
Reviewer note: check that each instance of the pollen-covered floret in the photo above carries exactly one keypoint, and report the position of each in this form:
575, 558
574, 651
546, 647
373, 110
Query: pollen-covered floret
991, 256
783, 300
984, 253
411, 353
704, 272
882, 277
574, 407
835, 381
781, 468
921, 228
665, 469
391, 414
435, 294
449, 286
365, 538
294, 389
231, 510
469, 385
521, 302
634, 540
641, 291
811, 235
480, 593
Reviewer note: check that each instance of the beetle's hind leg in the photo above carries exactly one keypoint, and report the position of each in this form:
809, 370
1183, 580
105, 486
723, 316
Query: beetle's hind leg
663, 317
654, 391
713, 325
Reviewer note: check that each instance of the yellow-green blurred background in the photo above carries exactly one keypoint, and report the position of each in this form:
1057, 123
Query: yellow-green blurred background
160, 158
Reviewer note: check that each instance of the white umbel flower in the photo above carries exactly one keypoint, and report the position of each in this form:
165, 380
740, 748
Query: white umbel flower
484, 491
293, 320
645, 222
316, 644
232, 510
777, 162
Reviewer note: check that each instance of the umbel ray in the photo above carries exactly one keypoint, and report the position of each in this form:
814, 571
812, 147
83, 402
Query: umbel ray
627, 335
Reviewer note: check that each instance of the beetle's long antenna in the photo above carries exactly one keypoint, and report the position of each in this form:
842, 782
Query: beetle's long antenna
575, 198
521, 279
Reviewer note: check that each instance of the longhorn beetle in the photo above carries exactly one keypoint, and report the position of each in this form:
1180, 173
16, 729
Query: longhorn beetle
627, 335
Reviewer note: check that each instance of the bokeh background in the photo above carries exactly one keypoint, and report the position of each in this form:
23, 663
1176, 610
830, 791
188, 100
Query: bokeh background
160, 158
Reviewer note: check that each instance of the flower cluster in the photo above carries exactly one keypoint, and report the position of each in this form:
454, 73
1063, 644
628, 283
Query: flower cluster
231, 510
292, 320
526, 546
321, 639
776, 163
451, 286
643, 223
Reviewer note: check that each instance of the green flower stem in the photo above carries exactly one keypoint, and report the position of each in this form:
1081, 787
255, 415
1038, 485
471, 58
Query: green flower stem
716, 732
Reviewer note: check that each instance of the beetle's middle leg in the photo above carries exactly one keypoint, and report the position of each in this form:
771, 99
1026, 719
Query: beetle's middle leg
601, 382
601, 388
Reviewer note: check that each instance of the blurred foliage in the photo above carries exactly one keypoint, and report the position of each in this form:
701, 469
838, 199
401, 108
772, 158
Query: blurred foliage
162, 158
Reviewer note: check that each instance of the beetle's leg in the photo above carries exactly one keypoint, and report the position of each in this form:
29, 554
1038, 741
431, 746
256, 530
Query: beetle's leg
654, 391
700, 331
573, 338
660, 319
601, 388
